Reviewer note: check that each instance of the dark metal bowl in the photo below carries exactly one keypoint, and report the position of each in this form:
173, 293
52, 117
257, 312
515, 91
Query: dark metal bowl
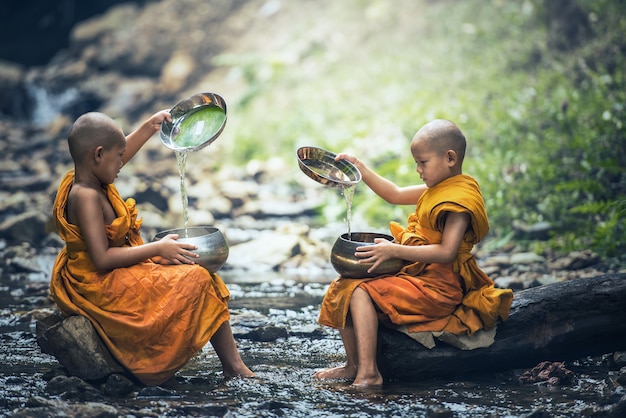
191, 130
320, 165
347, 264
212, 246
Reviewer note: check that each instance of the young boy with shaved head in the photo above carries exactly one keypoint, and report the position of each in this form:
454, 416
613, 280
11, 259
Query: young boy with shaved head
152, 305
440, 289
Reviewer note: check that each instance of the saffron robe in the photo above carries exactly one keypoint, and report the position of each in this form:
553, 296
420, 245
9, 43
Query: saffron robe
456, 298
152, 317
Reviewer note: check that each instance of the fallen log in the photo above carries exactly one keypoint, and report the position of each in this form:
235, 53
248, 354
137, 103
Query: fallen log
556, 322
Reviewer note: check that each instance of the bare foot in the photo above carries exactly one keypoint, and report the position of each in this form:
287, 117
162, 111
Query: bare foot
343, 372
240, 370
367, 384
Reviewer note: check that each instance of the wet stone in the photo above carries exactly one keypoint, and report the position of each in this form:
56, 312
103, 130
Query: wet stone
40, 407
267, 333
619, 357
118, 385
73, 388
157, 392
439, 413
77, 346
621, 377
527, 258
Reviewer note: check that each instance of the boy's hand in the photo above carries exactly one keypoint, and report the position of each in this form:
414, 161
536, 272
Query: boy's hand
378, 253
155, 120
176, 252
347, 157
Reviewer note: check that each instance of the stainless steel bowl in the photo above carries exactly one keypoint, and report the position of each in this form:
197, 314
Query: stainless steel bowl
212, 246
320, 165
347, 264
196, 122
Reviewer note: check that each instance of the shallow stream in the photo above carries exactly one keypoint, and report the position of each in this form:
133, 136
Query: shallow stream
284, 386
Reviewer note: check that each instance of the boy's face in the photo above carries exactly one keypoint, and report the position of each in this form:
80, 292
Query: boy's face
433, 166
110, 161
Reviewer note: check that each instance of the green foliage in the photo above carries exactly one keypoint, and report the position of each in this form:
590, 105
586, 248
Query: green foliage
545, 128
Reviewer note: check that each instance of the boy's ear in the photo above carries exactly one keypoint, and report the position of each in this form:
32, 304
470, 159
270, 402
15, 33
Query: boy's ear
98, 152
451, 157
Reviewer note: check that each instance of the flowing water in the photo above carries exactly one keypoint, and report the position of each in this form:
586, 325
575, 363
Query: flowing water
284, 365
181, 159
348, 194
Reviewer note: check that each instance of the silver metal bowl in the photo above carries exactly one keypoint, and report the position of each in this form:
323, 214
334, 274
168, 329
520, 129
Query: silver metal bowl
212, 246
196, 122
320, 165
347, 264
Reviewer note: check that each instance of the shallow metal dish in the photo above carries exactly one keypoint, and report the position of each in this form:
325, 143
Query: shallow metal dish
212, 246
320, 165
347, 264
191, 130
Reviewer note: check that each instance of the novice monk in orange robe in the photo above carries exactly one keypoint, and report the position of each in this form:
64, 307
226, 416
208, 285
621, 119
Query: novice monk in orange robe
441, 288
153, 307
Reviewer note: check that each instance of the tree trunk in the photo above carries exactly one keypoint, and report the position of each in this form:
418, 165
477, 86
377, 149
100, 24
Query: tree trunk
555, 322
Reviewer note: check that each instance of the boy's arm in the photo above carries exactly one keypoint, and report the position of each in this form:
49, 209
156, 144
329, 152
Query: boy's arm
89, 212
384, 188
136, 139
445, 252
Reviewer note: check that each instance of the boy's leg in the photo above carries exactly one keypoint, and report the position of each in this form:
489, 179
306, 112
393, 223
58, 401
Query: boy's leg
224, 344
349, 343
365, 323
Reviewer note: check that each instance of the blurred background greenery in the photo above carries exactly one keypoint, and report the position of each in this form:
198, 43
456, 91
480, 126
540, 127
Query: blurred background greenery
538, 87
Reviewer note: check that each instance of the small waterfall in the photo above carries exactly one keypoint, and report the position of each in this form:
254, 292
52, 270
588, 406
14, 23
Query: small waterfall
46, 105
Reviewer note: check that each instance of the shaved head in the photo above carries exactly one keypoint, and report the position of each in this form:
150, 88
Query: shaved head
442, 135
90, 131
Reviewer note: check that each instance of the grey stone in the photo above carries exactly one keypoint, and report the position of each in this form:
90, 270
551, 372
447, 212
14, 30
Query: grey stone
77, 346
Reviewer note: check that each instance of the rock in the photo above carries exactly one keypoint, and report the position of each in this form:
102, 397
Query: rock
77, 346
73, 388
277, 208
619, 409
13, 95
576, 260
37, 406
553, 373
176, 71
497, 260
118, 385
267, 333
619, 358
508, 282
157, 392
29, 226
539, 231
526, 258
267, 252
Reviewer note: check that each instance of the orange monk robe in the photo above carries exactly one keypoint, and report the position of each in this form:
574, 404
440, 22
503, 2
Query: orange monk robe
152, 317
457, 298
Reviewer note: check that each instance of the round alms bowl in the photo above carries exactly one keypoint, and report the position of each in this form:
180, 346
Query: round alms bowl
212, 246
347, 264
196, 122
320, 165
